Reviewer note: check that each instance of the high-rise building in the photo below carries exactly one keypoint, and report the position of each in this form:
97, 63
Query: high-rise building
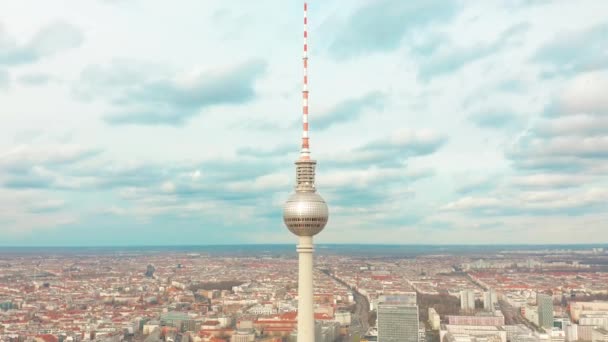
545, 310
402, 298
397, 322
305, 214
467, 300
489, 300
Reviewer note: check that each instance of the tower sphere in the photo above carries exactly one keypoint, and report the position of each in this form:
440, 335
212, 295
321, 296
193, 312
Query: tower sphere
305, 213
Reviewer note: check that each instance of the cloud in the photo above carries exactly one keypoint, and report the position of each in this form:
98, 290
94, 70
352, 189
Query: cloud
120, 2
440, 225
370, 176
50, 40
356, 201
35, 79
496, 119
370, 190
574, 51
5, 79
450, 57
573, 125
46, 206
395, 150
511, 86
349, 110
268, 182
476, 185
26, 156
278, 151
586, 93
572, 135
550, 202
550, 180
29, 180
23, 212
379, 26
487, 91
143, 98
346, 111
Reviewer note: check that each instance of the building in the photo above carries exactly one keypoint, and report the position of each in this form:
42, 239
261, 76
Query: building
585, 332
483, 320
571, 331
262, 310
477, 331
397, 322
450, 337
545, 310
150, 326
343, 317
489, 300
557, 335
305, 214
422, 334
190, 325
174, 319
599, 320
434, 319
243, 336
519, 333
560, 322
530, 313
577, 308
599, 335
467, 300
403, 298
327, 331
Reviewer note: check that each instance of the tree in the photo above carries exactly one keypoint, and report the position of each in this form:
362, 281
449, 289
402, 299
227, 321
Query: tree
372, 318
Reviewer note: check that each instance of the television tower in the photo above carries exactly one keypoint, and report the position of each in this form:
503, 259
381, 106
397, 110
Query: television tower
305, 214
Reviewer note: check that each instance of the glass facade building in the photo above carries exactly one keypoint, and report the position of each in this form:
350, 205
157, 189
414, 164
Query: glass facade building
397, 322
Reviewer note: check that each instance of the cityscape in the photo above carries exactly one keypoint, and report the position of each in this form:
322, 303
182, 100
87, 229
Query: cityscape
250, 293
452, 188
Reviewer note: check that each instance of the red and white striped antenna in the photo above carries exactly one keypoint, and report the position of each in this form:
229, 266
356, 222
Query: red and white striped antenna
305, 153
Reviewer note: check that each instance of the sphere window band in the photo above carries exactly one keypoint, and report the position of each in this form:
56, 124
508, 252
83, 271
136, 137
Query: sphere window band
301, 219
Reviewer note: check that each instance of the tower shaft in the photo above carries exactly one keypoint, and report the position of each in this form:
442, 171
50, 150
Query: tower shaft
306, 318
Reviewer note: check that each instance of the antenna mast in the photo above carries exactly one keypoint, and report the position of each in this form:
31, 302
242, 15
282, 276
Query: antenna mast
305, 153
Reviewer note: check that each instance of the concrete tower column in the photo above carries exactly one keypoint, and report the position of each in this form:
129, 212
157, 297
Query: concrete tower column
306, 318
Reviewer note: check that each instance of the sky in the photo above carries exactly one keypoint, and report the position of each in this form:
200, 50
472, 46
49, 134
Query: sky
132, 122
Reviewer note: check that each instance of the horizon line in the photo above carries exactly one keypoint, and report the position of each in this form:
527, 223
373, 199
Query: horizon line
319, 244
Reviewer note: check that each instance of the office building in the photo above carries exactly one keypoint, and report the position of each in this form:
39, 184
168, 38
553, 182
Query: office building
397, 322
489, 300
545, 310
402, 298
467, 300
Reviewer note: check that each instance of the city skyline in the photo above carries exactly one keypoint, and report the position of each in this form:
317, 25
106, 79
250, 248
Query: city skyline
447, 123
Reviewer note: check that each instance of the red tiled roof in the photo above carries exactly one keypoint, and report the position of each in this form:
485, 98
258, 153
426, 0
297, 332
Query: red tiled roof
48, 338
322, 316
